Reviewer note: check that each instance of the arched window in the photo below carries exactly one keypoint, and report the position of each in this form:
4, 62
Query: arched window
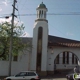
66, 57
44, 14
40, 14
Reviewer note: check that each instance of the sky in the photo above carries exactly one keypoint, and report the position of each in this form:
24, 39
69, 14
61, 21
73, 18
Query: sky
63, 16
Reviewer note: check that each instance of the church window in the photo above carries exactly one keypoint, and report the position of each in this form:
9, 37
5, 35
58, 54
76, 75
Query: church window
72, 58
39, 49
63, 57
75, 60
44, 14
40, 14
57, 60
15, 58
67, 57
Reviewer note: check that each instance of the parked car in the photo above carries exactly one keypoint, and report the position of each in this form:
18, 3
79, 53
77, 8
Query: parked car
25, 75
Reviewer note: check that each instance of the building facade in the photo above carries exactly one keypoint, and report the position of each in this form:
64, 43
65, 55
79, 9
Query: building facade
49, 54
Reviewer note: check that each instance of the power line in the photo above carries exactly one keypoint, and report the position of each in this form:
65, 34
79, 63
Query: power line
23, 5
58, 30
74, 13
18, 12
7, 3
50, 14
5, 17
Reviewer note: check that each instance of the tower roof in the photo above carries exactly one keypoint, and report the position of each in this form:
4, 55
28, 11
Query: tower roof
42, 5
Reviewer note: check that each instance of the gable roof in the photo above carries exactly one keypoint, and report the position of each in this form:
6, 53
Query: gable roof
59, 41
26, 39
55, 41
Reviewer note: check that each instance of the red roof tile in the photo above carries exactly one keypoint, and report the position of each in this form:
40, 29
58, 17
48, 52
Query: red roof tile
58, 41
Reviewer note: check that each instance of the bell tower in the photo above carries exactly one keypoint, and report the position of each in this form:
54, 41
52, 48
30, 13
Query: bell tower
40, 41
41, 11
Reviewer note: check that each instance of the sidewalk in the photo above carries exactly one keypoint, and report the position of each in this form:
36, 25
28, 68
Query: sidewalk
54, 76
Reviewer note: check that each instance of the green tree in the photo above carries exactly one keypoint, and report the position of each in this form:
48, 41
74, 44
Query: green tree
18, 45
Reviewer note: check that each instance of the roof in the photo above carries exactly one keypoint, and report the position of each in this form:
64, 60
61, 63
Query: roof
26, 40
58, 41
55, 41
42, 5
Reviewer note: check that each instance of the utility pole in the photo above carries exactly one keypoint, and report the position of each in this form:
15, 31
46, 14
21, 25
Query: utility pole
11, 37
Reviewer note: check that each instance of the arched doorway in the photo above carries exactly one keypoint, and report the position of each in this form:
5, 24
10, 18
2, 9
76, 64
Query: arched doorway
65, 61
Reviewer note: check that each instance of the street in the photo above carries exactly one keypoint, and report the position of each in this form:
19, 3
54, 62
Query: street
49, 79
55, 79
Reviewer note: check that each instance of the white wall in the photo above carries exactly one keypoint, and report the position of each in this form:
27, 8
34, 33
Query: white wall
17, 66
57, 50
44, 25
23, 61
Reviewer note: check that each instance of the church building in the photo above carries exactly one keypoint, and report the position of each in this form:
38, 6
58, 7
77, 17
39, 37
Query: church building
49, 54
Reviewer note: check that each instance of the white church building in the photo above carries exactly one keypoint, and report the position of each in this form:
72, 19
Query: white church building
49, 54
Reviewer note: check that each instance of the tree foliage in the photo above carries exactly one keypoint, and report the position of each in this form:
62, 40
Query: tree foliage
5, 32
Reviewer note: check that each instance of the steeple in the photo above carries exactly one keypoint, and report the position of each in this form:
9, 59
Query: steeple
41, 11
40, 41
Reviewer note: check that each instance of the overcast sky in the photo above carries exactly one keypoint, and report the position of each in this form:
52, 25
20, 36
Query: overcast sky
63, 16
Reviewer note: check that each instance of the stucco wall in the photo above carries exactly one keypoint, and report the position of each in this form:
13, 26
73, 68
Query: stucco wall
24, 60
44, 25
17, 66
57, 50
